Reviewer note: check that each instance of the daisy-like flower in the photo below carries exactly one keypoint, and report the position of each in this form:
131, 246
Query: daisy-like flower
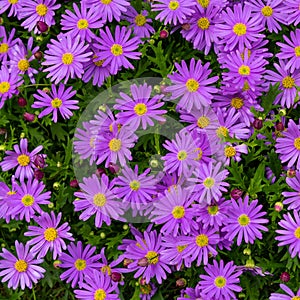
239, 28
22, 270
234, 151
291, 8
221, 281
98, 287
288, 146
192, 85
37, 10
27, 200
81, 262
14, 6
293, 198
290, 294
48, 235
244, 221
115, 51
140, 108
22, 159
7, 42
65, 58
58, 100
290, 234
174, 211
97, 198
191, 293
81, 22
173, 11
291, 51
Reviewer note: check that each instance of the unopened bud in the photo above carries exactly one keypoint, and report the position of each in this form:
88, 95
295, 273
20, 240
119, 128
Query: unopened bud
282, 112
236, 194
291, 173
59, 164
257, 124
143, 262
29, 117
42, 26
285, 277
3, 131
38, 174
39, 161
247, 251
279, 126
56, 264
116, 277
163, 34
278, 206
186, 26
74, 183
99, 172
142, 281
127, 262
22, 102
38, 55
181, 282
56, 185
102, 235
113, 168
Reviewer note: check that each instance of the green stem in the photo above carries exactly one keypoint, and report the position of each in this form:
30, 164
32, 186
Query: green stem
36, 84
33, 294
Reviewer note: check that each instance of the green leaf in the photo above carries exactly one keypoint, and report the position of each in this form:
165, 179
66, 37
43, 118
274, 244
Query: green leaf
255, 182
157, 296
268, 99
136, 295
58, 132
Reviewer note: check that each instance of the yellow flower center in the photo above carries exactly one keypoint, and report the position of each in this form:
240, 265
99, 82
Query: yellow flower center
99, 294
239, 29
115, 145
229, 151
209, 182
140, 109
145, 289
267, 11
182, 155
41, 9
204, 3
243, 220
56, 103
23, 65
27, 200
213, 209
80, 264
98, 63
106, 269
106, 2
23, 160
134, 185
50, 234
99, 199
200, 153
296, 297
67, 58
173, 5
9, 193
202, 240
180, 248
21, 265
140, 20
82, 24
3, 48
116, 49
222, 131
152, 257
288, 82
203, 122
4, 87
192, 85
220, 281
237, 103
244, 70
297, 143
243, 54
203, 23
13, 1
297, 233
297, 51
178, 212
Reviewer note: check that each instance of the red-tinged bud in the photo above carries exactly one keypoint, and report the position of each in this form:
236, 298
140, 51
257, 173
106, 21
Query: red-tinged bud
99, 172
42, 26
74, 183
257, 124
236, 194
291, 173
186, 26
56, 264
39, 161
38, 55
285, 277
143, 262
142, 281
181, 282
127, 262
29, 117
278, 206
3, 131
38, 174
116, 277
279, 126
164, 34
46, 90
113, 168
22, 102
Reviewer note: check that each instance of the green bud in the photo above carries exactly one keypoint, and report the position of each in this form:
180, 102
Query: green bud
125, 227
282, 112
22, 135
151, 41
59, 164
56, 185
247, 251
102, 235
154, 163
50, 205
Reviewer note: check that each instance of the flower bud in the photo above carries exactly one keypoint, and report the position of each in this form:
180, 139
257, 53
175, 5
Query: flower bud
22, 102
102, 235
181, 282
163, 34
51, 205
59, 164
2, 148
278, 206
127, 262
46, 90
186, 26
56, 264
142, 281
143, 262
74, 183
153, 163
247, 251
38, 55
56, 185
39, 161
279, 126
116, 277
125, 227
291, 173
3, 131
102, 107
1, 21
99, 172
236, 194
38, 174
250, 263
151, 41
257, 124
29, 117
113, 168
22, 135
285, 277
42, 26
282, 112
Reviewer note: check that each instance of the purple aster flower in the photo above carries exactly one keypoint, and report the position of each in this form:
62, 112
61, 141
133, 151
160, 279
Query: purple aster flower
81, 262
205, 148
221, 281
7, 42
98, 287
192, 85
252, 269
14, 6
291, 295
191, 293
115, 51
291, 51
58, 100
239, 28
140, 109
291, 8
27, 200
81, 22
173, 11
234, 151
174, 211
22, 159
288, 82
293, 198
290, 236
244, 221
288, 146
48, 235
22, 270
37, 10
147, 291
65, 58
97, 198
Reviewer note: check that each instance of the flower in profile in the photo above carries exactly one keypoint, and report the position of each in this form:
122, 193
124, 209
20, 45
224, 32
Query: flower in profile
115, 51
98, 287
81, 262
293, 198
288, 146
290, 234
14, 5
291, 8
244, 221
234, 151
221, 281
22, 270
22, 159
81, 22
191, 293
7, 42
290, 294
192, 85
48, 236
97, 198
65, 58
140, 109
173, 11
57, 100
37, 10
